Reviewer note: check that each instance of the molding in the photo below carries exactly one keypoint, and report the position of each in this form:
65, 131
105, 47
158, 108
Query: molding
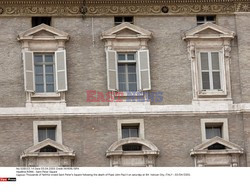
121, 7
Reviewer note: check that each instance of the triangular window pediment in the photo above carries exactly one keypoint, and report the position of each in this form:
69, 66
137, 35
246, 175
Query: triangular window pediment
43, 30
126, 29
209, 30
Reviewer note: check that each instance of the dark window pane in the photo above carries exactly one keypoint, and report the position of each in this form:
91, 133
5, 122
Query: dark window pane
45, 133
134, 132
132, 78
210, 18
125, 133
131, 68
132, 147
200, 18
50, 88
216, 146
48, 149
121, 57
38, 58
132, 86
118, 19
49, 58
41, 134
128, 19
205, 80
216, 80
38, 69
122, 87
51, 133
131, 57
39, 88
39, 20
121, 68
39, 79
122, 78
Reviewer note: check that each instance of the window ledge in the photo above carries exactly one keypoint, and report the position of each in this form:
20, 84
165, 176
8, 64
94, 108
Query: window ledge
205, 93
38, 95
130, 93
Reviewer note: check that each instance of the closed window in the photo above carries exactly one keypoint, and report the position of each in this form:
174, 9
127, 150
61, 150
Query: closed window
130, 130
213, 130
210, 70
44, 73
127, 76
46, 132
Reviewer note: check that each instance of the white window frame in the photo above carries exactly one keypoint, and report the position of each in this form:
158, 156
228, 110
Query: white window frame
201, 91
58, 125
121, 122
224, 131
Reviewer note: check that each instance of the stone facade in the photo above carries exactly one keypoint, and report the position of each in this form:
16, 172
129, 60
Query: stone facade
172, 132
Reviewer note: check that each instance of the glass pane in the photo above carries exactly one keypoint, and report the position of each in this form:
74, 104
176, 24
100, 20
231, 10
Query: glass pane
216, 79
41, 134
49, 69
132, 86
122, 87
213, 132
132, 78
131, 68
121, 68
38, 69
39, 88
50, 88
50, 78
215, 61
121, 78
39, 79
38, 58
134, 132
49, 58
128, 19
118, 19
51, 133
200, 18
205, 80
121, 57
204, 61
131, 56
210, 18
125, 133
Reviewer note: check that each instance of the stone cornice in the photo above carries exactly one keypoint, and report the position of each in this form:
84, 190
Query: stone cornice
121, 7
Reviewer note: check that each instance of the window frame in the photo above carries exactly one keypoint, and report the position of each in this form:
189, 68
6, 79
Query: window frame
123, 20
58, 133
210, 92
128, 122
44, 72
205, 19
224, 131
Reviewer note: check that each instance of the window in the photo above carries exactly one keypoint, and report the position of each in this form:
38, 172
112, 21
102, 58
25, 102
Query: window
47, 129
39, 20
211, 128
127, 72
210, 70
119, 20
44, 73
209, 48
46, 133
207, 18
130, 130
44, 62
48, 149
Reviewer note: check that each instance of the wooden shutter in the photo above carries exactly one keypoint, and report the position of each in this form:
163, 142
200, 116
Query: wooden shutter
61, 71
143, 70
29, 81
111, 57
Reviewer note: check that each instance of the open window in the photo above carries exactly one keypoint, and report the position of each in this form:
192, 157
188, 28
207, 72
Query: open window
209, 47
44, 60
127, 59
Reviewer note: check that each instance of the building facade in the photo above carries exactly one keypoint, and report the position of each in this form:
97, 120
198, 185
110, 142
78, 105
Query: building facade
125, 83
